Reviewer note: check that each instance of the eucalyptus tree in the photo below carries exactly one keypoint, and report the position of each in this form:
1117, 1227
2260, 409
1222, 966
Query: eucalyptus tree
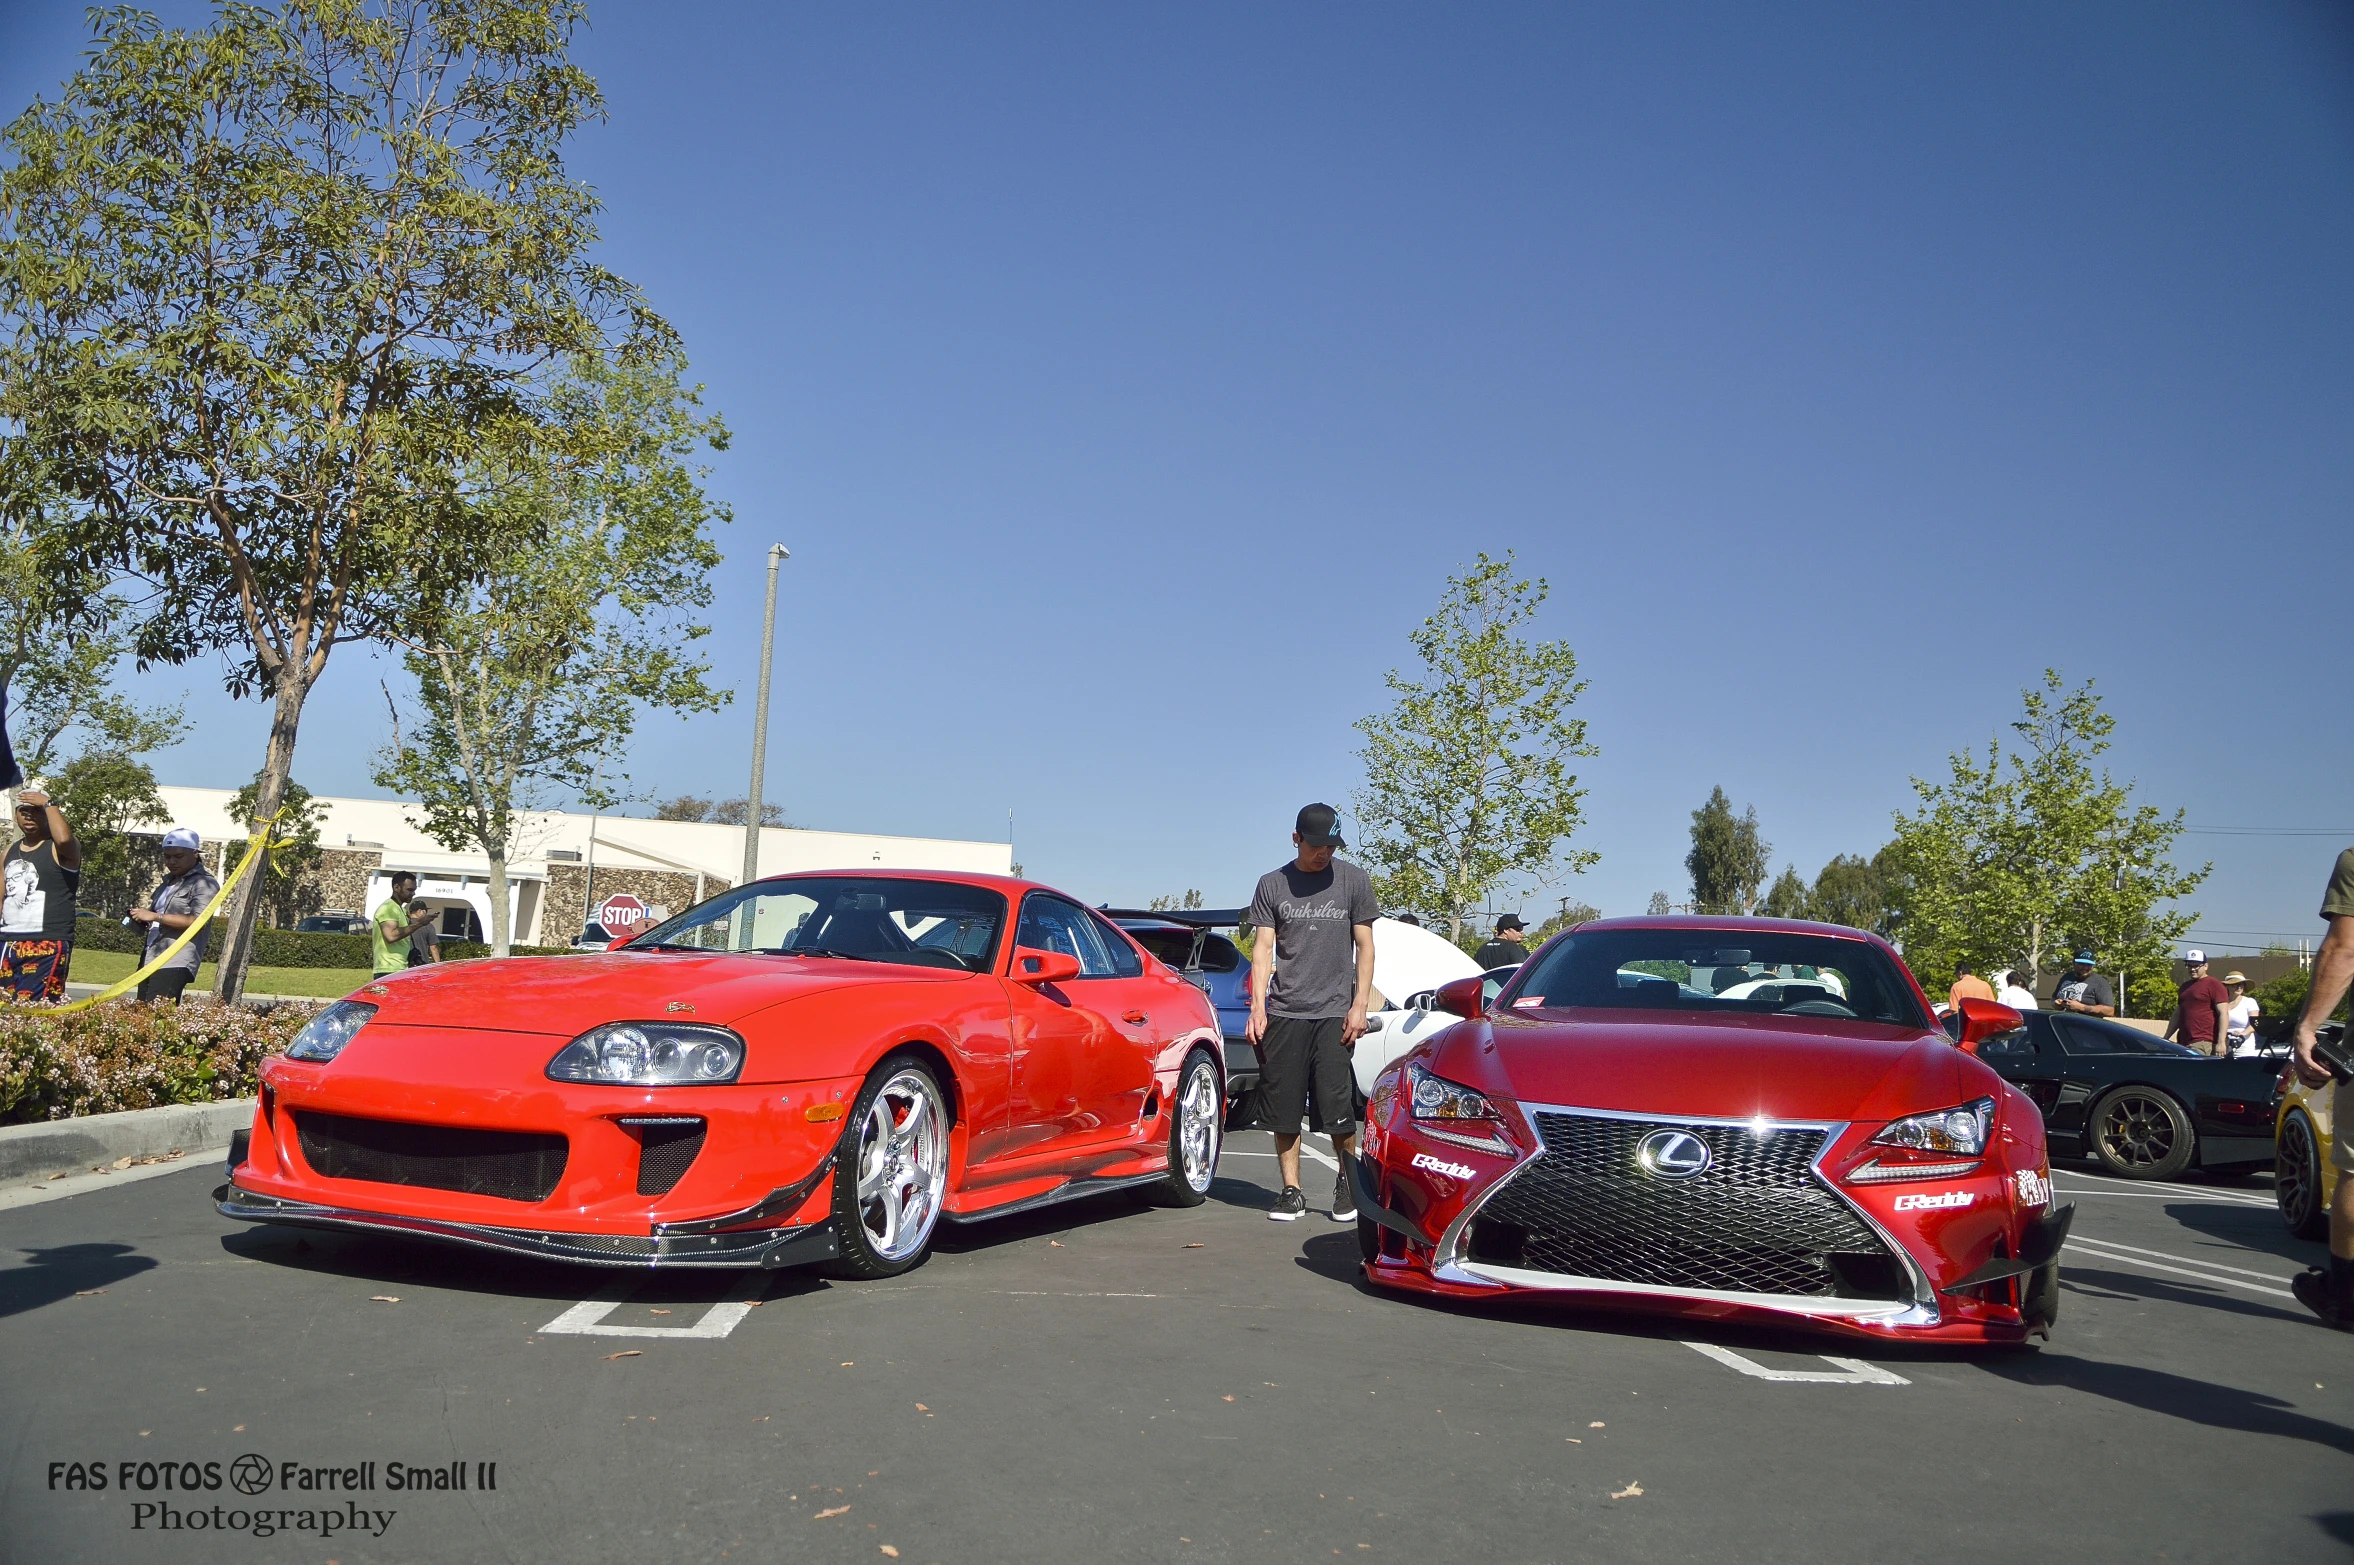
1467, 779
264, 288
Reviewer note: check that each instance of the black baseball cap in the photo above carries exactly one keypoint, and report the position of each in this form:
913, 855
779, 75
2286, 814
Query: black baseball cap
1509, 921
1319, 827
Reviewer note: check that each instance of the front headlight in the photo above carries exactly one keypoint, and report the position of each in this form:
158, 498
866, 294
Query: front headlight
324, 1035
650, 1054
1435, 1097
1960, 1131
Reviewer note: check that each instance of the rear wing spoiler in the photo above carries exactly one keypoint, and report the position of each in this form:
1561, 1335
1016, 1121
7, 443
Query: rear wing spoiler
1195, 918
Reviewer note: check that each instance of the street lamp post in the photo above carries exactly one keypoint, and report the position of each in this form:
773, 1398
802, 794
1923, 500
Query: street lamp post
777, 555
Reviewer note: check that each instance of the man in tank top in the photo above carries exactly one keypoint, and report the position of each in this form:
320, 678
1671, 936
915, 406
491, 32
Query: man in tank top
39, 875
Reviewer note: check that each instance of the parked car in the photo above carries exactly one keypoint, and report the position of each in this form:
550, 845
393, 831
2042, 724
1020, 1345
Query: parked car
812, 1068
1187, 943
331, 924
2140, 1107
1606, 1131
2303, 1182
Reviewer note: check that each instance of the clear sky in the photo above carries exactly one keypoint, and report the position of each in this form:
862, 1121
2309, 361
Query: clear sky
1126, 381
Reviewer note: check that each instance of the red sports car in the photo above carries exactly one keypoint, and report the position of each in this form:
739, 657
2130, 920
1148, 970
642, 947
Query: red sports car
809, 1068
1750, 1119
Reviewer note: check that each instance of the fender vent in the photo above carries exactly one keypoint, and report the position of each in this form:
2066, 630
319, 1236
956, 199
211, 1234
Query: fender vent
667, 1146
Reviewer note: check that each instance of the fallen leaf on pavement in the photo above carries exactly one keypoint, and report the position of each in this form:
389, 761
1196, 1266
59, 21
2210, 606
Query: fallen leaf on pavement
1226, 1399
1596, 1424
1057, 1243
887, 1549
1629, 1492
83, 1293
122, 1162
850, 1363
836, 1510
626, 1353
384, 1298
1194, 1246
1574, 1440
919, 1407
657, 1312
240, 1429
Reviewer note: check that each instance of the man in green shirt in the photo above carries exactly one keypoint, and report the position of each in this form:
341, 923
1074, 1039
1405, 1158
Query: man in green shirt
2329, 1291
389, 931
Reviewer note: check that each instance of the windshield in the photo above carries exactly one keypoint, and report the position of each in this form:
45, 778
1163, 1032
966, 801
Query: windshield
1720, 972
916, 923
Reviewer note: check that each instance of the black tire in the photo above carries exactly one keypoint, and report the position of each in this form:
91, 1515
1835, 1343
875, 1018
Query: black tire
2296, 1177
2139, 1132
866, 1154
1197, 1134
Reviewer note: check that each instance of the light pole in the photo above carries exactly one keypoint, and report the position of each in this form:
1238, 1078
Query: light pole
777, 555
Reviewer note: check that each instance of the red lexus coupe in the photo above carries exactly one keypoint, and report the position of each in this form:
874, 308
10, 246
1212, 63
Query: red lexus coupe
811, 1068
1741, 1119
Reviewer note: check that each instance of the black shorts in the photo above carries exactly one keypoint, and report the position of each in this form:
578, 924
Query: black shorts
1300, 1056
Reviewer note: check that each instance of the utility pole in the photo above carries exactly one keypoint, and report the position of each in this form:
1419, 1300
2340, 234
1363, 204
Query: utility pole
753, 809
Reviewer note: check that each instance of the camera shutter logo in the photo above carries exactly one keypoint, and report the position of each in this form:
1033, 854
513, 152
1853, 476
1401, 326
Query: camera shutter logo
250, 1474
1673, 1154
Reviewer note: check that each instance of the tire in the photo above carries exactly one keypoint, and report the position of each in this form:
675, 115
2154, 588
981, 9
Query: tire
2296, 1177
1197, 1128
891, 1174
2139, 1132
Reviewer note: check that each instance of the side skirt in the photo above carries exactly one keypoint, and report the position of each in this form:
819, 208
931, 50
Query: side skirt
1070, 1192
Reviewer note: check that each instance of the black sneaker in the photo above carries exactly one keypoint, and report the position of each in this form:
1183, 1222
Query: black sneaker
1344, 1198
1288, 1206
2312, 1289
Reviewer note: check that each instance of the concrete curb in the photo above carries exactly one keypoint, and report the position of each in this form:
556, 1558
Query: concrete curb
97, 1140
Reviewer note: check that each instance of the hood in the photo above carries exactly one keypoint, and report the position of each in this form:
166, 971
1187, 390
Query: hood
567, 995
1715, 1067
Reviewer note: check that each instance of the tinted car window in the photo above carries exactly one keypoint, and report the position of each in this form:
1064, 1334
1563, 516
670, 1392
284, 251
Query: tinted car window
1719, 972
1220, 955
1172, 946
2013, 1045
1125, 962
2085, 1035
916, 923
1051, 924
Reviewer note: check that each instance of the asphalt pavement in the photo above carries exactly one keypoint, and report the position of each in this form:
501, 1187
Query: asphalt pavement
1105, 1381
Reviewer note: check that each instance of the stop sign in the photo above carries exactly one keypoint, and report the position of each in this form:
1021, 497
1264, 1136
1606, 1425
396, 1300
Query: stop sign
621, 914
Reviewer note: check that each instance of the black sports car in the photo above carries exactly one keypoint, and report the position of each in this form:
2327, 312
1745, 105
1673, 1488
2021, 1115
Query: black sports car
2137, 1105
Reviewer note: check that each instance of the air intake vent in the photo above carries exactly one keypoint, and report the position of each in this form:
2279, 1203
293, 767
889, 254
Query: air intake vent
666, 1148
512, 1165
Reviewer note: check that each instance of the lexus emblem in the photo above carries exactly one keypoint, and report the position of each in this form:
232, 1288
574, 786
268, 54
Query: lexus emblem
1673, 1154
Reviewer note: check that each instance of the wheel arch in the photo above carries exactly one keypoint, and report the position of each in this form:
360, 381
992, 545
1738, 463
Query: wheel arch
943, 1070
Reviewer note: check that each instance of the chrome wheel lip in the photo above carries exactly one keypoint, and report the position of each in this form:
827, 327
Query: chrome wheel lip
1199, 1126
901, 1165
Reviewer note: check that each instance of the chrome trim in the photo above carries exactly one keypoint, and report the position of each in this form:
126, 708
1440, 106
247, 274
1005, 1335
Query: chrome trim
767, 1247
1448, 1264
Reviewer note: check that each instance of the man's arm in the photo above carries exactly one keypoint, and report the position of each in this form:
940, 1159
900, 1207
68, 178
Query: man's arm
393, 933
2174, 1022
2095, 1008
2333, 970
2223, 1027
1354, 1027
1262, 974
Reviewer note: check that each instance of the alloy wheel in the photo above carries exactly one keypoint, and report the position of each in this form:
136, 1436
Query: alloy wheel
2136, 1130
902, 1165
2296, 1174
1200, 1117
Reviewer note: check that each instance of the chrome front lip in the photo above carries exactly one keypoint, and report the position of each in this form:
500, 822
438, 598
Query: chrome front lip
1449, 1265
766, 1247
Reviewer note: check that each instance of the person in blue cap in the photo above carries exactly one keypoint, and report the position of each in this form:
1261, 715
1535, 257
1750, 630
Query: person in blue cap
2084, 991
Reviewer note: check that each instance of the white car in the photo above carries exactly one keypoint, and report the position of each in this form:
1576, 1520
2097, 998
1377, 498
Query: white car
1408, 963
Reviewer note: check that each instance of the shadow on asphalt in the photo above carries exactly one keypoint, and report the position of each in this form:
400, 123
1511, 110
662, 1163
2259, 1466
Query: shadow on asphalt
2338, 1524
422, 1263
2132, 1285
2250, 1229
2177, 1396
59, 1273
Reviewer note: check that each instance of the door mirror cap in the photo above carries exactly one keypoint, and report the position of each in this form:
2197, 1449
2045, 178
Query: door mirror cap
1464, 997
1032, 966
1983, 1019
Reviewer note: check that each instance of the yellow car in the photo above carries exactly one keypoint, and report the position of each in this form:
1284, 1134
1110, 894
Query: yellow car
2302, 1180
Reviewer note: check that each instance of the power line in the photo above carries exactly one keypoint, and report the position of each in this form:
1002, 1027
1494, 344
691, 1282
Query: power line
2266, 831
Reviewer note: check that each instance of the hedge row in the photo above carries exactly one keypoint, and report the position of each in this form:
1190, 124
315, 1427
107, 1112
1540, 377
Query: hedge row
125, 1055
286, 947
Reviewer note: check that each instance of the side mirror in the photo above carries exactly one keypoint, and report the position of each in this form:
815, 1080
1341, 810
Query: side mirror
1983, 1019
1032, 966
1464, 997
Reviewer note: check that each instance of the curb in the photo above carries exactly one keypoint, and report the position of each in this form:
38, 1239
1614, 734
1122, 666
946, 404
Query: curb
97, 1140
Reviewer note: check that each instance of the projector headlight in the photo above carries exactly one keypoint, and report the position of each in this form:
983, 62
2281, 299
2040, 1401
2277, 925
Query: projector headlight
324, 1035
1958, 1130
650, 1054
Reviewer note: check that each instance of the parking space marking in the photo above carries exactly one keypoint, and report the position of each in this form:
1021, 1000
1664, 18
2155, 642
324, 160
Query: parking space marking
2148, 1186
1846, 1372
586, 1319
2126, 1255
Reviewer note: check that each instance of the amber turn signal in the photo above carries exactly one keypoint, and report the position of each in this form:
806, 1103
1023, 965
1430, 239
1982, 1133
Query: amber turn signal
819, 1113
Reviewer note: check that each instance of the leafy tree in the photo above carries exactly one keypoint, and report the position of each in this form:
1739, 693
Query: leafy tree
1787, 897
1467, 776
2026, 853
1660, 906
686, 807
1852, 890
296, 854
534, 671
103, 795
58, 649
1728, 858
263, 288
1570, 916
731, 812
1185, 904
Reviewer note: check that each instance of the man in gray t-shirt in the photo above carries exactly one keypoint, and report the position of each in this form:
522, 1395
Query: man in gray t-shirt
1311, 980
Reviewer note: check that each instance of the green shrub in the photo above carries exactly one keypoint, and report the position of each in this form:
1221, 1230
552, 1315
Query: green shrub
106, 934
125, 1055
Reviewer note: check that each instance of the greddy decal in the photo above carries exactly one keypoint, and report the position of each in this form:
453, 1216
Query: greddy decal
2034, 1188
1927, 1203
1454, 1170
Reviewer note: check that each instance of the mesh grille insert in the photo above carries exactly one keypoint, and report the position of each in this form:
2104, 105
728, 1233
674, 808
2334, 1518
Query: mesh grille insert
666, 1147
1757, 1221
512, 1165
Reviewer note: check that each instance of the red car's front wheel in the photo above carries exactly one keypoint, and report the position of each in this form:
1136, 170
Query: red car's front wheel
891, 1174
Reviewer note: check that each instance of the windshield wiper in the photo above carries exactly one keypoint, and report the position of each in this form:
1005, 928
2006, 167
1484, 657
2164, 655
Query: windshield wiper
847, 956
662, 945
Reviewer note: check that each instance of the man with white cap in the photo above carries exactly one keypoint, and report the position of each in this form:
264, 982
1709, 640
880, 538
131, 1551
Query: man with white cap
187, 890
2202, 1008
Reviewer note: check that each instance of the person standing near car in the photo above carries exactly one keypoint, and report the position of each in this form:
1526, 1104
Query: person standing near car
2328, 1291
41, 872
1508, 948
187, 890
2240, 1036
425, 944
1967, 985
1314, 918
2018, 990
2084, 991
393, 924
2202, 1008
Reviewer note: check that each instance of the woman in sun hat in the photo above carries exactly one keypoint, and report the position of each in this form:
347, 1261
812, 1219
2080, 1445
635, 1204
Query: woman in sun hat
2240, 1033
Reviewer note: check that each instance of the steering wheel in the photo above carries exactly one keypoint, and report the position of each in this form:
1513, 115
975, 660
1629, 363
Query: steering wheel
1817, 1008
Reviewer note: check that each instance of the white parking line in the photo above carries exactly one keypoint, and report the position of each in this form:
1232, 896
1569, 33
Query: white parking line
2203, 1192
586, 1319
2213, 1279
2187, 1260
1849, 1372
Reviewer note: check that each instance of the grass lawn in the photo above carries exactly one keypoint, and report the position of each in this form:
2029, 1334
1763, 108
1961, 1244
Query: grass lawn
331, 983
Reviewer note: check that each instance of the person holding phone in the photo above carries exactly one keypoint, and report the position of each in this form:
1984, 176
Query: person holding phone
2328, 1291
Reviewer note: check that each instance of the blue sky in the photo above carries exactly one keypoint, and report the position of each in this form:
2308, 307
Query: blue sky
1127, 380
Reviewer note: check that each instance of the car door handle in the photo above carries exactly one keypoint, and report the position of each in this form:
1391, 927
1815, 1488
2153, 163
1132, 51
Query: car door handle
1137, 1017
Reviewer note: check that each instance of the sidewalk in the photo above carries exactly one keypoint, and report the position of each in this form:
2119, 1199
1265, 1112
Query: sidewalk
75, 991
